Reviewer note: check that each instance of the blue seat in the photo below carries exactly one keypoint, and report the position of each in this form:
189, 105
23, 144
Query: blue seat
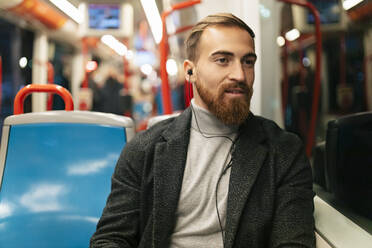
55, 171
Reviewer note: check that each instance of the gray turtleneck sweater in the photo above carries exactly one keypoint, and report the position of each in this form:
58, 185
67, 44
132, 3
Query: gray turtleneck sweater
207, 156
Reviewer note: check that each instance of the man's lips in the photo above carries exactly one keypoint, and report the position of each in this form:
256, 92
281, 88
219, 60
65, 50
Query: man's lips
237, 91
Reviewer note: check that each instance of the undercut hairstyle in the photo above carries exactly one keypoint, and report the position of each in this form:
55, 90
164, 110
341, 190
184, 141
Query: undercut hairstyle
220, 19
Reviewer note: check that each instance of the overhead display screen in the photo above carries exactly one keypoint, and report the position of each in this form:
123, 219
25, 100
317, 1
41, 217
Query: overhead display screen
104, 16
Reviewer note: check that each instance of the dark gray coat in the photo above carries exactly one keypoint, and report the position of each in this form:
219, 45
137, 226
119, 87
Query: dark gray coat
270, 199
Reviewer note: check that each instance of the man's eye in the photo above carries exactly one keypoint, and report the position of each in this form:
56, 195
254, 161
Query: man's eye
222, 60
249, 62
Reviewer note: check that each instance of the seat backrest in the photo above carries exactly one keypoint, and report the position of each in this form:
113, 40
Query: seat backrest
153, 120
318, 165
349, 160
55, 175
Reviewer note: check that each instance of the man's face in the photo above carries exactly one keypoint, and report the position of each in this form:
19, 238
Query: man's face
224, 73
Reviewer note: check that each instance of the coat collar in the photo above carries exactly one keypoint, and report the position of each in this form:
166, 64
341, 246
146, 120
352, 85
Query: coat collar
248, 157
169, 165
178, 127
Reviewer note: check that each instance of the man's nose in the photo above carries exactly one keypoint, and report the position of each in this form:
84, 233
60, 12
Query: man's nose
237, 72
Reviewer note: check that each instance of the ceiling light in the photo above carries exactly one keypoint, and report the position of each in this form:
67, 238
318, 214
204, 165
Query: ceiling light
348, 4
153, 18
292, 34
114, 44
69, 9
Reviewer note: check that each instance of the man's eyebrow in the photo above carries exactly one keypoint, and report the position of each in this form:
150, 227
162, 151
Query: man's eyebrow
250, 55
227, 53
222, 53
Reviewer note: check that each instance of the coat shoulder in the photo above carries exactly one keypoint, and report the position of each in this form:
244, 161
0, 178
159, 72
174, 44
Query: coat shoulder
277, 136
144, 139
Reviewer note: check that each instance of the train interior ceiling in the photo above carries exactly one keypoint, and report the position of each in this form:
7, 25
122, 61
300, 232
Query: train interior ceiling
111, 56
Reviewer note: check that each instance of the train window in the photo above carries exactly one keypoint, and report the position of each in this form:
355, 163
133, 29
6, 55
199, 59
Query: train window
345, 89
330, 11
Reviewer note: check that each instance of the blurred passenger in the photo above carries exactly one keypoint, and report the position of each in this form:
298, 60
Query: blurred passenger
97, 101
60, 78
143, 101
217, 175
111, 95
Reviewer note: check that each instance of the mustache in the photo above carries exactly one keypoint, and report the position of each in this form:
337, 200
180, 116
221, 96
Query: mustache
240, 85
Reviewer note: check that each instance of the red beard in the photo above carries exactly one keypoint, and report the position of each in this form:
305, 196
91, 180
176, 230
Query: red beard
231, 112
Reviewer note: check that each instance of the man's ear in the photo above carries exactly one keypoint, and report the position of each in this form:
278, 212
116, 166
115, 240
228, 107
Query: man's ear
188, 67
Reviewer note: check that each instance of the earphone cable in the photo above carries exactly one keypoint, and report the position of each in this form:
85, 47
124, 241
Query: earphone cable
216, 194
224, 170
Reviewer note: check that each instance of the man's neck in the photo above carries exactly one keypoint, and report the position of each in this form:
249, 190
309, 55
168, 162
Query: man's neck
207, 123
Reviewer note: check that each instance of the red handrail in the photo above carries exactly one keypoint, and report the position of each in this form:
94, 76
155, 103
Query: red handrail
188, 91
51, 88
316, 93
163, 49
50, 80
182, 29
85, 83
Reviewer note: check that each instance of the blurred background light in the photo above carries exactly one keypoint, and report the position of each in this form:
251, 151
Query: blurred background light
23, 62
153, 18
146, 69
91, 66
292, 34
172, 68
69, 9
280, 41
114, 44
348, 4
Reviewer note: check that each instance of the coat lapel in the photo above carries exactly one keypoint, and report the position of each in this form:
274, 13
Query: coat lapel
248, 158
169, 164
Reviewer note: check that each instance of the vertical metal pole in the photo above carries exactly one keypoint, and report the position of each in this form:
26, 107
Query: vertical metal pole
39, 70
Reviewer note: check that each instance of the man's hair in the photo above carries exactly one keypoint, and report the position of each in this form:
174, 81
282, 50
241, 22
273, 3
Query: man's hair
220, 19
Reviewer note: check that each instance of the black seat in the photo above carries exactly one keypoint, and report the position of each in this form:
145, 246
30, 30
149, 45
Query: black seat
349, 161
319, 165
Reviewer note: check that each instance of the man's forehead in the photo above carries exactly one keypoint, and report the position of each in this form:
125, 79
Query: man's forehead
221, 31
224, 38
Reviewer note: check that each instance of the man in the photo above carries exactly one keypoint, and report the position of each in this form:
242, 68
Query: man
215, 176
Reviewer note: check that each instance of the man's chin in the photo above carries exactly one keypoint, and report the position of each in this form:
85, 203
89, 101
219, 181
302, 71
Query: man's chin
232, 111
